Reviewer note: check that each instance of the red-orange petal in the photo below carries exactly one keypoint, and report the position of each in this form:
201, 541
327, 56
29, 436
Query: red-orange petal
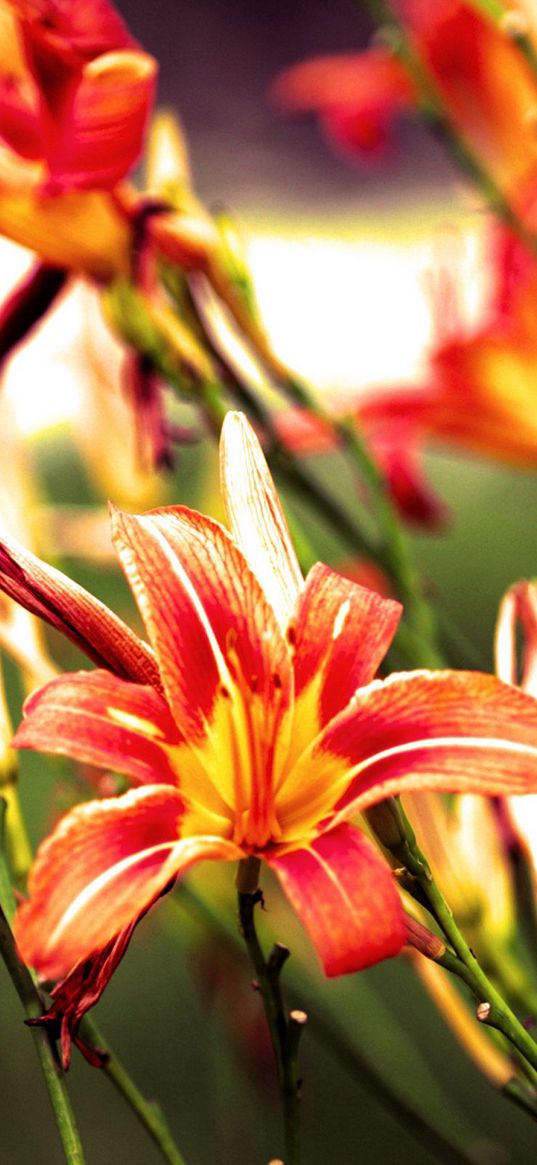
344, 893
341, 634
225, 666
455, 731
459, 731
105, 863
100, 634
99, 136
99, 719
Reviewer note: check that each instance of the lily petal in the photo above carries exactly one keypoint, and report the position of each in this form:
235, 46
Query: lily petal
344, 893
340, 635
103, 866
100, 634
86, 230
256, 517
100, 136
454, 731
225, 666
101, 720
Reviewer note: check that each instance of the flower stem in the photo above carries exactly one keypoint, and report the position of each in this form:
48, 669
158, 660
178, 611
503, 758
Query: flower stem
396, 834
390, 549
148, 1112
334, 1039
284, 1031
50, 1067
433, 111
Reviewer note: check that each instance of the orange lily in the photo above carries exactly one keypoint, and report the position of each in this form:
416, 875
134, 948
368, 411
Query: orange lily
251, 726
75, 96
485, 83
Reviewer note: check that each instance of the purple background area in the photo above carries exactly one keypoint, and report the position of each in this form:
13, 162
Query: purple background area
217, 62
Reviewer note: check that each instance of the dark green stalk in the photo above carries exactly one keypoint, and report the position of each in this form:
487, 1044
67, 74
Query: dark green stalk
335, 1040
50, 1067
148, 1112
395, 832
284, 1031
431, 108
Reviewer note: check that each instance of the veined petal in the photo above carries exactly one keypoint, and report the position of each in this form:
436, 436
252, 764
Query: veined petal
100, 634
99, 719
256, 517
341, 633
99, 138
344, 893
103, 866
454, 731
225, 666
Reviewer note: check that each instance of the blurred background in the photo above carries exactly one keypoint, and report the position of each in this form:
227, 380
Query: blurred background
340, 255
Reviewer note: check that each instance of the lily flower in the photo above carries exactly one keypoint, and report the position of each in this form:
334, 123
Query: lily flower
75, 96
252, 725
484, 82
88, 87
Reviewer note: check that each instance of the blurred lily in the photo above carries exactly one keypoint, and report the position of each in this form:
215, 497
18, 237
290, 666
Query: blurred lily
252, 726
75, 95
484, 82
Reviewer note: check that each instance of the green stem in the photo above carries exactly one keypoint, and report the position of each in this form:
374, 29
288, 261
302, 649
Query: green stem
148, 1112
26, 989
335, 1040
284, 1033
393, 553
52, 1073
433, 111
394, 830
391, 550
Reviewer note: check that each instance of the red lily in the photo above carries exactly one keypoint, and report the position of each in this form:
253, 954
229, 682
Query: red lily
253, 725
80, 95
75, 95
483, 80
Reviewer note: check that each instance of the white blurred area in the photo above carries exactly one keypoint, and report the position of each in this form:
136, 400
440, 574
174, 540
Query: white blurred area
345, 310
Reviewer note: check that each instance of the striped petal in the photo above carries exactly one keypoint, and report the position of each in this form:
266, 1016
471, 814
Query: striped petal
99, 719
100, 870
225, 666
341, 634
344, 893
454, 731
63, 604
99, 137
256, 517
